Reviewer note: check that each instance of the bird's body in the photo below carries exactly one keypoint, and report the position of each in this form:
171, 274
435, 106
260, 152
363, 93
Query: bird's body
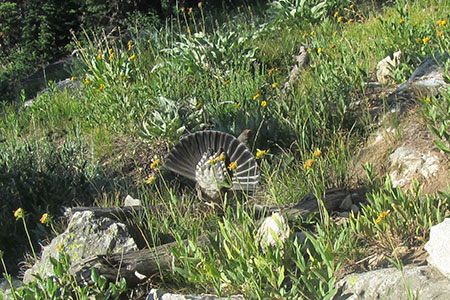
217, 161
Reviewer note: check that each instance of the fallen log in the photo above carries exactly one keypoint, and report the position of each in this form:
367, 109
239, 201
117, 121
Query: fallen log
146, 263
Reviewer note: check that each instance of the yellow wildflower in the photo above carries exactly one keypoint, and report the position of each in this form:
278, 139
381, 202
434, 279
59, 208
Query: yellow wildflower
59, 247
101, 86
44, 219
319, 50
261, 153
86, 80
155, 163
18, 214
132, 56
305, 35
309, 50
312, 32
349, 21
308, 163
151, 179
232, 166
332, 46
110, 50
227, 82
336, 14
427, 100
99, 55
219, 158
182, 9
270, 71
148, 41
190, 10
199, 5
72, 78
275, 84
198, 106
402, 20
237, 105
425, 40
334, 33
442, 22
339, 19
257, 95
352, 5
263, 103
317, 152
382, 215
111, 56
129, 45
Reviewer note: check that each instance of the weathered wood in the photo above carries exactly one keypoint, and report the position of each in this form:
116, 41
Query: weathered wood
146, 263
309, 204
133, 266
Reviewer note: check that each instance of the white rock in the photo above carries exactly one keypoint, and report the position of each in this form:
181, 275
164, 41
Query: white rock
410, 163
130, 201
438, 247
273, 226
86, 235
384, 67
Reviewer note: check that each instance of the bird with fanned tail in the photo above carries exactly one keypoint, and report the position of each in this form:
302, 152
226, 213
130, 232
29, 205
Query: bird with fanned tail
218, 162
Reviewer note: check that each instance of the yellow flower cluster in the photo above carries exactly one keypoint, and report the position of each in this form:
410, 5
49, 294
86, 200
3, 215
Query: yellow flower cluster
382, 215
264, 103
232, 165
129, 45
18, 214
308, 163
442, 22
261, 153
150, 179
44, 219
219, 158
275, 84
155, 163
426, 40
257, 95
317, 153
132, 57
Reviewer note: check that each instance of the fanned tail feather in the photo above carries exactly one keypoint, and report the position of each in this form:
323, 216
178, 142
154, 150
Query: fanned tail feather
184, 157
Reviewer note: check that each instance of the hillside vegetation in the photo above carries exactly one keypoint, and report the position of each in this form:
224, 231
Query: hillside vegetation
140, 91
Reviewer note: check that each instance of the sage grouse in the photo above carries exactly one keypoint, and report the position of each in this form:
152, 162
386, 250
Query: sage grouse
217, 161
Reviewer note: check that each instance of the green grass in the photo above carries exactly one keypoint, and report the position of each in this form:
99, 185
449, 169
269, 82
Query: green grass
95, 145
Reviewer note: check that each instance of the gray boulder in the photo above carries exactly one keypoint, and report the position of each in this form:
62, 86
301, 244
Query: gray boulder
423, 282
438, 247
85, 236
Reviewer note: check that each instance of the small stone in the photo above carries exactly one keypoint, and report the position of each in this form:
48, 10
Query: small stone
355, 209
346, 204
130, 201
343, 214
